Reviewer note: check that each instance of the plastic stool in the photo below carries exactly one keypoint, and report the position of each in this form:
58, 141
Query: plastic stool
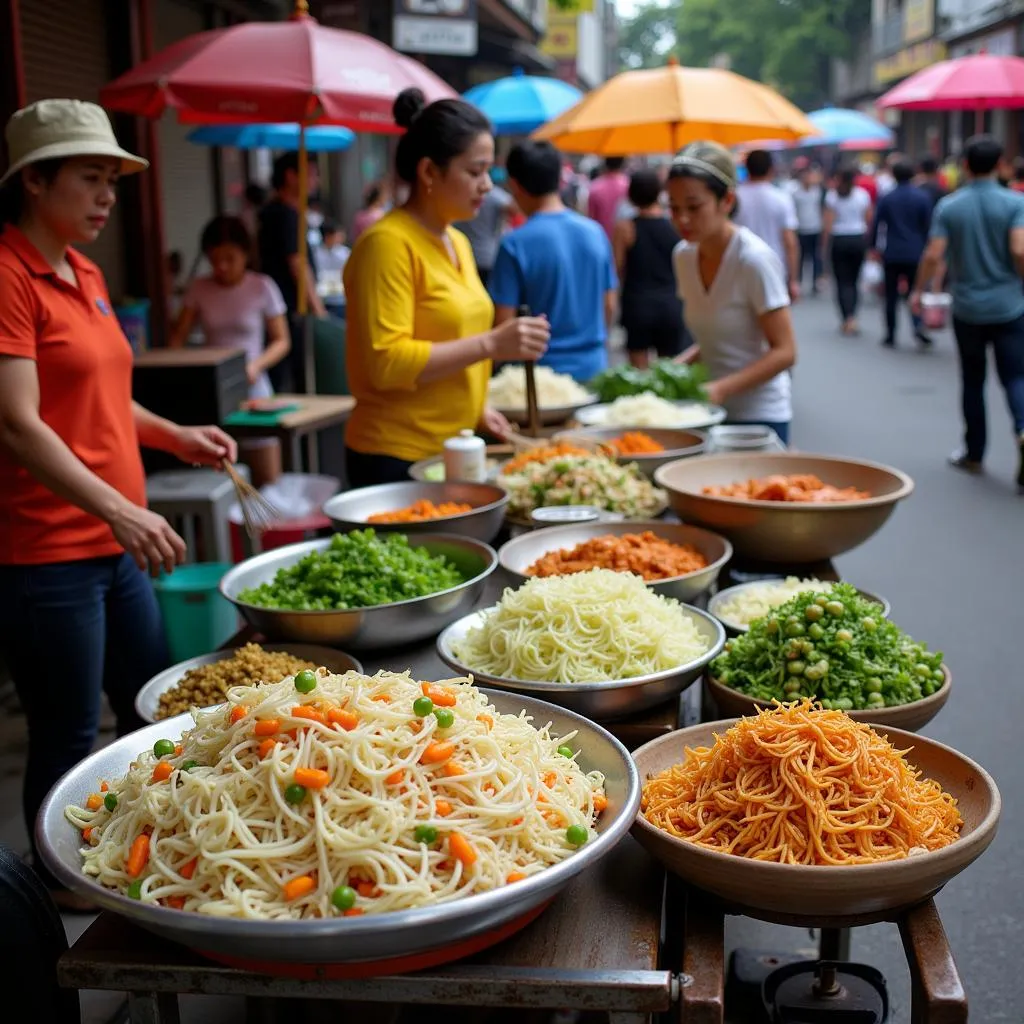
187, 496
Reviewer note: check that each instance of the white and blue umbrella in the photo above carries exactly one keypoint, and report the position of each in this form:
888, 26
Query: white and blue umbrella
520, 103
839, 125
319, 138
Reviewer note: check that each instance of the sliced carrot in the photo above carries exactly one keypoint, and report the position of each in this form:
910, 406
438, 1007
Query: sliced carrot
348, 720
600, 802
308, 713
489, 789
517, 821
292, 734
87, 834
461, 848
353, 912
453, 770
487, 720
312, 778
383, 698
176, 902
435, 753
238, 712
162, 771
299, 887
550, 778
266, 727
367, 890
414, 725
178, 748
440, 695
95, 802
189, 869
514, 876
442, 807
267, 746
104, 786
395, 777
138, 855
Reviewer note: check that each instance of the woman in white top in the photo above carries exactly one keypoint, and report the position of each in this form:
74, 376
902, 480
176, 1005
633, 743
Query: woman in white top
846, 222
734, 292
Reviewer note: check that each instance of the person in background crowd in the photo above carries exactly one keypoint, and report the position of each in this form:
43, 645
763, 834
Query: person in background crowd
173, 288
558, 264
575, 189
607, 193
252, 202
949, 176
906, 215
375, 205
770, 214
331, 255
886, 179
866, 178
1017, 184
733, 287
652, 314
421, 334
279, 260
844, 230
314, 222
484, 231
979, 230
809, 199
929, 180
78, 616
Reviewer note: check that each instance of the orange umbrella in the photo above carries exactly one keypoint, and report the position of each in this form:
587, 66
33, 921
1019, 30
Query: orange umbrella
662, 109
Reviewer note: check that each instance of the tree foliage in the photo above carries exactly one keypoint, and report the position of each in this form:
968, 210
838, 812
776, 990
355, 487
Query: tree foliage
785, 43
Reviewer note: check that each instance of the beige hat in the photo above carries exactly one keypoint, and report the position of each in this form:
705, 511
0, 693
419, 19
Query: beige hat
51, 129
711, 159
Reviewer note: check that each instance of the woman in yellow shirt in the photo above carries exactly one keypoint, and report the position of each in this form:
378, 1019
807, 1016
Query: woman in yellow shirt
421, 333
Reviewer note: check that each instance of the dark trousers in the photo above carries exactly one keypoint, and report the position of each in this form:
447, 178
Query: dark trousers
847, 259
69, 632
363, 470
972, 341
895, 272
810, 252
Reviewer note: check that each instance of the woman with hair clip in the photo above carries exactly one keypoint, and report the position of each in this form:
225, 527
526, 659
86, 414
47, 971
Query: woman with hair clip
421, 333
78, 616
734, 293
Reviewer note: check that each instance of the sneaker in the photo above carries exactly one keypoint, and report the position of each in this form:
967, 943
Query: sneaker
888, 343
923, 338
960, 460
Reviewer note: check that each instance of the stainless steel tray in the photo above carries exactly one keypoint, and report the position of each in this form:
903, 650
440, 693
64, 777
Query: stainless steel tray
710, 416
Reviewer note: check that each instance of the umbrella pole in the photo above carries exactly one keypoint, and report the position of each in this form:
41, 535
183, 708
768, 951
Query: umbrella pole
979, 121
308, 347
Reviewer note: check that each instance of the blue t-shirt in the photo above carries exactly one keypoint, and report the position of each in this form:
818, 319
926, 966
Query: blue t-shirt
976, 221
560, 264
906, 212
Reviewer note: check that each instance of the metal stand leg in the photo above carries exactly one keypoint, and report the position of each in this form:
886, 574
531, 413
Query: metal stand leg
615, 1017
834, 944
153, 1008
937, 995
702, 1001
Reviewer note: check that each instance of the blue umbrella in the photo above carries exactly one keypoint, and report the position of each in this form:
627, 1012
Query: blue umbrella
518, 104
838, 125
319, 138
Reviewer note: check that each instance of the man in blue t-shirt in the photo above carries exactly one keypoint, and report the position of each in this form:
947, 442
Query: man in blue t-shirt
558, 263
979, 229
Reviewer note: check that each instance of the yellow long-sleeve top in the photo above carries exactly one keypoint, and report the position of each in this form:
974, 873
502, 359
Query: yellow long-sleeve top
405, 294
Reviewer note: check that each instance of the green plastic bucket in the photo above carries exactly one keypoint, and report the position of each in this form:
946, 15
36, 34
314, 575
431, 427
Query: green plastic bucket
197, 619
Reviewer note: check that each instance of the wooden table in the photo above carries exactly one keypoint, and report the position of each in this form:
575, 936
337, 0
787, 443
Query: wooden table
315, 413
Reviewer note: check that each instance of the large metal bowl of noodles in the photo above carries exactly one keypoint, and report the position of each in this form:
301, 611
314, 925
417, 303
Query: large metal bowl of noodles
372, 937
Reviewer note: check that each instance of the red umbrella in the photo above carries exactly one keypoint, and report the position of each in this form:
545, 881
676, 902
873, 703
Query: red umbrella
979, 82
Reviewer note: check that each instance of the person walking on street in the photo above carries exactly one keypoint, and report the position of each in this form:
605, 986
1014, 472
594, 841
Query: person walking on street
845, 230
558, 264
769, 213
652, 315
929, 180
906, 214
607, 194
809, 199
979, 231
375, 204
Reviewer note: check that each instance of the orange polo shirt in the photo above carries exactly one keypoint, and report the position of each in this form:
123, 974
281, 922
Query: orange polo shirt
84, 363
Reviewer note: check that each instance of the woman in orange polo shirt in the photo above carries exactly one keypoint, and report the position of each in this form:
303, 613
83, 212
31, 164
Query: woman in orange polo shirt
77, 613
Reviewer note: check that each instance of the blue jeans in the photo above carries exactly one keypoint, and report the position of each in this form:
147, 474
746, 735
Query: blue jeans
972, 341
69, 632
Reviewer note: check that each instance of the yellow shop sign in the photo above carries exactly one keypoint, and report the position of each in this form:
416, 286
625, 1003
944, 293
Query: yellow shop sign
909, 60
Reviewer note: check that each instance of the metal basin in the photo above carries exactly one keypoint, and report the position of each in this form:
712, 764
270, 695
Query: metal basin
382, 625
692, 416
350, 510
518, 555
602, 701
344, 940
784, 532
818, 895
678, 444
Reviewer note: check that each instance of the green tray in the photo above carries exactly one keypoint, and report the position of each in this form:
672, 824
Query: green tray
254, 418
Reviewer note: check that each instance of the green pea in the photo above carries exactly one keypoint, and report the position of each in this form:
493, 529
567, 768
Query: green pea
305, 681
162, 748
806, 647
922, 671
835, 608
813, 673
822, 666
869, 624
795, 629
295, 793
344, 897
566, 751
815, 631
796, 668
813, 612
844, 636
425, 834
821, 600
826, 703
791, 686
110, 801
576, 835
771, 627
928, 688
445, 717
189, 765
134, 891
939, 676
873, 685
422, 706
876, 699
843, 704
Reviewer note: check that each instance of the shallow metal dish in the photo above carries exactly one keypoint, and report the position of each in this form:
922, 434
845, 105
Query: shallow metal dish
518, 555
147, 700
734, 628
828, 896
550, 415
601, 701
710, 416
678, 444
383, 625
496, 454
778, 531
341, 940
350, 510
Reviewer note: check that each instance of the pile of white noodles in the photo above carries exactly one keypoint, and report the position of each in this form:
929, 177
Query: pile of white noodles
588, 627
226, 840
755, 601
648, 410
507, 389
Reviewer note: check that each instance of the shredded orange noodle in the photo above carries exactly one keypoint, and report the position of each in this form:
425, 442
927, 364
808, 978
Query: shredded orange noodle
797, 784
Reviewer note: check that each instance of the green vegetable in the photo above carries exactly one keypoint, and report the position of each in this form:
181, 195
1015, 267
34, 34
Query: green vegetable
576, 835
849, 659
566, 751
110, 801
344, 897
422, 706
445, 717
163, 747
295, 793
425, 834
356, 570
667, 379
134, 891
189, 765
305, 681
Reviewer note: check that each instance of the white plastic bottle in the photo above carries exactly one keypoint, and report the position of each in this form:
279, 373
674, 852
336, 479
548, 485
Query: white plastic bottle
465, 458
